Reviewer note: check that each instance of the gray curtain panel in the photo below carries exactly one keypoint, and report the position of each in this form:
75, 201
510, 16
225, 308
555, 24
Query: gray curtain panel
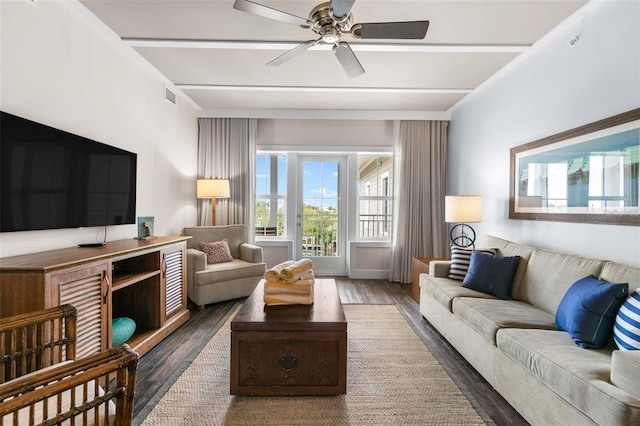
419, 230
227, 150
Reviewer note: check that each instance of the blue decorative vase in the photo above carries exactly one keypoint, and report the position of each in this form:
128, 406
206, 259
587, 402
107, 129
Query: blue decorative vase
121, 330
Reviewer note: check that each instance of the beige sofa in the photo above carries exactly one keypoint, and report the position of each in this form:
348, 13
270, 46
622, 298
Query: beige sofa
515, 345
222, 281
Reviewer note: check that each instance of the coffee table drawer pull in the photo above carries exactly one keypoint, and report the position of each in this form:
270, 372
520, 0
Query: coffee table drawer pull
288, 362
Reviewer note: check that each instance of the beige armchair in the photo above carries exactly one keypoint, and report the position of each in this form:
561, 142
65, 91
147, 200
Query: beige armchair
222, 281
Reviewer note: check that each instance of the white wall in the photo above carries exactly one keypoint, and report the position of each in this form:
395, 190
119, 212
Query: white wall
552, 89
60, 69
325, 133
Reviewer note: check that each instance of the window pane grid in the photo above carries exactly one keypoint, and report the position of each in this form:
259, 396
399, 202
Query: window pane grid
270, 195
375, 196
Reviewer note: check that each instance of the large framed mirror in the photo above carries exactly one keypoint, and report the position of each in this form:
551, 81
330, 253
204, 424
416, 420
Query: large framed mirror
588, 174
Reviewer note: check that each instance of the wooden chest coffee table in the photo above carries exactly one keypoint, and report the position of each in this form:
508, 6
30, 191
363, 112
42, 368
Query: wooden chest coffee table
290, 350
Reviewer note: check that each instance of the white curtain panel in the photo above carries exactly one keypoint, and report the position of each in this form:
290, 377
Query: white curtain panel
227, 150
419, 230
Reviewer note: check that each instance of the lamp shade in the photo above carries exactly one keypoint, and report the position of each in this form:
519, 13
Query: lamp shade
462, 208
208, 188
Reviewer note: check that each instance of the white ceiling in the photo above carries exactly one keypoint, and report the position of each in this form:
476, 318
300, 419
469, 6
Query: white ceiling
216, 55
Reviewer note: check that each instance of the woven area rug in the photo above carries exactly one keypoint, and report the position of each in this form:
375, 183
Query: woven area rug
392, 379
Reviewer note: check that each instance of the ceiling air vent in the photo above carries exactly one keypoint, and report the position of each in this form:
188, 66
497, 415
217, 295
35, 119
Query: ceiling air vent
170, 95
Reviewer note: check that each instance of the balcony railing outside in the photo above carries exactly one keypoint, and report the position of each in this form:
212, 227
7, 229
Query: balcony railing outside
374, 225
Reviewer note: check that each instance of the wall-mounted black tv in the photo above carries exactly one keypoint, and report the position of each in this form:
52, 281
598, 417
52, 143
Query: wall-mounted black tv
51, 179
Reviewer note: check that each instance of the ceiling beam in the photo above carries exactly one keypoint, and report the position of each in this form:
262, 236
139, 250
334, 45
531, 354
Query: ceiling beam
355, 46
321, 89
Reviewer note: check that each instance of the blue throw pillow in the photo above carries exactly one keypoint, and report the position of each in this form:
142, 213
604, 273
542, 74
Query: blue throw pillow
588, 311
491, 274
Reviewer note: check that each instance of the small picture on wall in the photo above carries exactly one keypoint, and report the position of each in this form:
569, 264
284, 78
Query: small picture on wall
145, 228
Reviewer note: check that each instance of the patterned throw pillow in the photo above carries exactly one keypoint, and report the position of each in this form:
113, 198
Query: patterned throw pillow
626, 331
217, 252
460, 259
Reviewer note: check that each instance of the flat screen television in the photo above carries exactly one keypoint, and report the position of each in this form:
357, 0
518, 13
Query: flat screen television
52, 179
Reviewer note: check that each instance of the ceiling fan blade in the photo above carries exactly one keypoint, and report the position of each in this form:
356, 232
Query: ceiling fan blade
293, 52
348, 59
341, 7
391, 30
269, 12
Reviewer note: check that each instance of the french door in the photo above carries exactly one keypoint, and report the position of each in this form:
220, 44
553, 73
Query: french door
321, 212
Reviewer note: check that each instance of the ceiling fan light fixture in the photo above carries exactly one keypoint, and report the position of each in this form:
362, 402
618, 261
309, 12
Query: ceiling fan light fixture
330, 34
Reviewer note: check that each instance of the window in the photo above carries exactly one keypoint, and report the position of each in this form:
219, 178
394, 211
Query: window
271, 194
375, 195
606, 180
548, 184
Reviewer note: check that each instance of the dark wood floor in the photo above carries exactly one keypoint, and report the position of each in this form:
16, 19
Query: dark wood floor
161, 363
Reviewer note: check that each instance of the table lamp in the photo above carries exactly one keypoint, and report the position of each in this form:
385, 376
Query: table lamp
212, 188
463, 209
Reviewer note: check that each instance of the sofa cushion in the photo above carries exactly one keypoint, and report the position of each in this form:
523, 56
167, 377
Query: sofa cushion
460, 259
444, 290
217, 251
626, 331
236, 269
549, 275
579, 376
509, 248
487, 316
625, 371
588, 310
491, 274
618, 273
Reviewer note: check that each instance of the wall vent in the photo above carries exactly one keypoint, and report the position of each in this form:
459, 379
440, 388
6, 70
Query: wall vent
170, 96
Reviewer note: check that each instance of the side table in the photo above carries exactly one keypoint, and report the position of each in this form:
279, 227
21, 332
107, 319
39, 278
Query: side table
420, 265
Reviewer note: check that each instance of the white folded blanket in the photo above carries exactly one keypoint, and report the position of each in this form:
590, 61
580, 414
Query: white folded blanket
297, 270
273, 274
297, 287
288, 299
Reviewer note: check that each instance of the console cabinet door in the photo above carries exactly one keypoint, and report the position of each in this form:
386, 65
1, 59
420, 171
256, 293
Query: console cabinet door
88, 290
174, 279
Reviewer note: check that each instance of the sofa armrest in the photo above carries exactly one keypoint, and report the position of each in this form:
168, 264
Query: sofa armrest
439, 268
196, 261
251, 253
625, 371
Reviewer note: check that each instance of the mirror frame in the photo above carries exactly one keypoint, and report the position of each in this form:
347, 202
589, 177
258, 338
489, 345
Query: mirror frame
563, 139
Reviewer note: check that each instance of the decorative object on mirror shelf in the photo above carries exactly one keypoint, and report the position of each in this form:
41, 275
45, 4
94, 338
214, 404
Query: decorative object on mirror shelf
121, 330
463, 209
588, 174
145, 228
213, 188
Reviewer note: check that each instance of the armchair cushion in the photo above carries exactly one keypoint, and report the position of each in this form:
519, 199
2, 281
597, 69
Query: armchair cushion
227, 271
217, 251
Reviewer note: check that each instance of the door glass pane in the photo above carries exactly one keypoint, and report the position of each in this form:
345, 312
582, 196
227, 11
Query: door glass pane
320, 208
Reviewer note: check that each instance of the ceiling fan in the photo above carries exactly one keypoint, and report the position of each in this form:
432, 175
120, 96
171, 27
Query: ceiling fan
330, 20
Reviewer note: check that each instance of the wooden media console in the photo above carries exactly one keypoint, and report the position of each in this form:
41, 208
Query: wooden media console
144, 280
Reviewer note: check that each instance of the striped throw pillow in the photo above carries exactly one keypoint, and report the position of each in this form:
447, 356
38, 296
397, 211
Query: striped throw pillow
460, 259
626, 331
